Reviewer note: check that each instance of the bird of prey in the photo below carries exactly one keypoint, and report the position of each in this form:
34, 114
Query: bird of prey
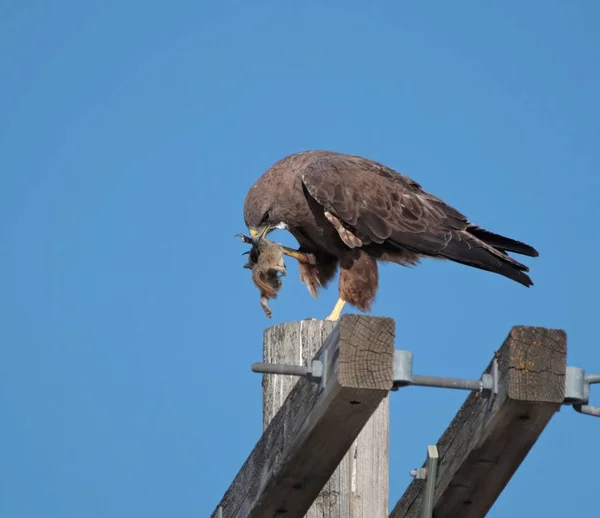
350, 212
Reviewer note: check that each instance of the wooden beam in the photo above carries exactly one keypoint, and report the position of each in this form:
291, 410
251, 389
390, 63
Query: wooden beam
360, 484
310, 434
491, 435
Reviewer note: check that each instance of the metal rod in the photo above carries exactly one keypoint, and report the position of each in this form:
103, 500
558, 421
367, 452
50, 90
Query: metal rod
587, 409
577, 384
428, 493
592, 378
455, 383
277, 368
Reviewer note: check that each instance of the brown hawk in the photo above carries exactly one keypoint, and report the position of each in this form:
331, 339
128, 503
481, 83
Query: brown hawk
350, 212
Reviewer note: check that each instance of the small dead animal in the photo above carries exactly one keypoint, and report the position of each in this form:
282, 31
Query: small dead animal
265, 259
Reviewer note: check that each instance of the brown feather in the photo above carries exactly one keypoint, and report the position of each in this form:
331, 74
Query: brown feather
315, 276
359, 277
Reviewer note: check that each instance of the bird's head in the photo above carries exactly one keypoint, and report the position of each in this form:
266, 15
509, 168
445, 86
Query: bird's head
262, 213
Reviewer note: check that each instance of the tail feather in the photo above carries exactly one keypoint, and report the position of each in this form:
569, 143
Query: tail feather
501, 242
504, 269
474, 252
472, 246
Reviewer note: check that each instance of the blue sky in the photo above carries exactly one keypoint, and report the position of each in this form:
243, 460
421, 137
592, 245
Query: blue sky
130, 133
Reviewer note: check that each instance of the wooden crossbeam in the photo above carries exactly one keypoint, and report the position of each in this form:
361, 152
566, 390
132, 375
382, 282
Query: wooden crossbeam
311, 432
491, 435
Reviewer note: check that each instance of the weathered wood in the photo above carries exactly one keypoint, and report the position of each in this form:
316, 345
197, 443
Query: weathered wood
310, 434
294, 343
491, 435
359, 486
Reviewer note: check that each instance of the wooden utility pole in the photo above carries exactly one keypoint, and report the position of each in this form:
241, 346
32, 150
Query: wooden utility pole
307, 439
359, 486
323, 452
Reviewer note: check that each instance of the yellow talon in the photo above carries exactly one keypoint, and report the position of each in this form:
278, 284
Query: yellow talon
337, 310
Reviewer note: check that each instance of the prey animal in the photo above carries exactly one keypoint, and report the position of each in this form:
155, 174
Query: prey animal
265, 259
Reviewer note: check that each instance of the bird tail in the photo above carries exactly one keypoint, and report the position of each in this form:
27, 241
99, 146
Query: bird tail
485, 250
502, 243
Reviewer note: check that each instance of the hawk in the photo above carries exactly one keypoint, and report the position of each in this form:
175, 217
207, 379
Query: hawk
350, 212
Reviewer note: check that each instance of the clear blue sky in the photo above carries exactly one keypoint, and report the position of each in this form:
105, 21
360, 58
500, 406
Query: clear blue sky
130, 132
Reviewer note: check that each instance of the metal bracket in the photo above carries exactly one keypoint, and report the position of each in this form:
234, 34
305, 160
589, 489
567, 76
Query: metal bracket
403, 376
577, 390
429, 474
316, 371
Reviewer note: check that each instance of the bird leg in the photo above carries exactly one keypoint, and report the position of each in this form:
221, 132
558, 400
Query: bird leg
337, 310
301, 257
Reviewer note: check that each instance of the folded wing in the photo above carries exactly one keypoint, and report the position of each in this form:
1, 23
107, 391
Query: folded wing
382, 207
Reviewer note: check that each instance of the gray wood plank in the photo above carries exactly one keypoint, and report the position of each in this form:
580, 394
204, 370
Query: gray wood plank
490, 436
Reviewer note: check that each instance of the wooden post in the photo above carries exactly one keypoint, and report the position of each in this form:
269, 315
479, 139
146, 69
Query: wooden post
314, 429
359, 488
491, 435
325, 450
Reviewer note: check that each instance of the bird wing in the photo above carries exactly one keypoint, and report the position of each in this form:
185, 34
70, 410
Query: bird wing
378, 204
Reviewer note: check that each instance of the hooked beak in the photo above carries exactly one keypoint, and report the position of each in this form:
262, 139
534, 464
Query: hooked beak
258, 233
